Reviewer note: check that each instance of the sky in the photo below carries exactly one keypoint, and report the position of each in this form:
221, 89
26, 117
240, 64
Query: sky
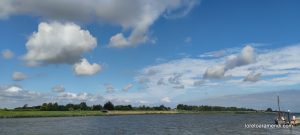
141, 52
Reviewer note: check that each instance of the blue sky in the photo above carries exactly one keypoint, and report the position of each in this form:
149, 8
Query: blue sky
169, 52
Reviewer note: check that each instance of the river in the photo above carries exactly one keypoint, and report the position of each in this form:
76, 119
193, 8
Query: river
173, 124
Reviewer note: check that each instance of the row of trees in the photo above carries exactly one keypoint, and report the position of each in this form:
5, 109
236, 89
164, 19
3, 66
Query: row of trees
210, 108
110, 106
83, 106
57, 107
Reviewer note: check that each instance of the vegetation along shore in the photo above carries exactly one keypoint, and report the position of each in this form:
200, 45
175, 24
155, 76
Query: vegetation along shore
82, 109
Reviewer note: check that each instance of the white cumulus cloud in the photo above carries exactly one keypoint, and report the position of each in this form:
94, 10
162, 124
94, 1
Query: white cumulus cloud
56, 43
13, 89
246, 56
85, 68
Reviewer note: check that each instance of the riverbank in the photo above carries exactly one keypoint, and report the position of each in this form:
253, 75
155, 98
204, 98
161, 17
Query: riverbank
25, 114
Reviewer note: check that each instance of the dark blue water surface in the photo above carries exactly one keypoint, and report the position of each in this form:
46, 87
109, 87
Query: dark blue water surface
167, 124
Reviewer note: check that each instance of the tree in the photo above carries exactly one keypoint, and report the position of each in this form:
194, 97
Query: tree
50, 107
55, 107
70, 107
83, 106
180, 107
123, 107
269, 110
210, 108
97, 107
109, 106
25, 106
44, 107
161, 107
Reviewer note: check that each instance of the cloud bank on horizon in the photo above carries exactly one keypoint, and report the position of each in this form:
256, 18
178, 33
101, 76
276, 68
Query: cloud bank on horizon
63, 45
164, 82
238, 73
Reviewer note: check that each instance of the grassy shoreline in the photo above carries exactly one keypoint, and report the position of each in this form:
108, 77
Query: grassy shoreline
29, 114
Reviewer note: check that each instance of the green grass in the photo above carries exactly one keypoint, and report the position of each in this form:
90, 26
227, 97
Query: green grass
21, 114
140, 112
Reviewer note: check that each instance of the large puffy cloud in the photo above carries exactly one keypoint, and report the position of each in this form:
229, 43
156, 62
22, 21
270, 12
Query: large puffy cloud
7, 54
56, 43
247, 56
134, 15
19, 76
85, 68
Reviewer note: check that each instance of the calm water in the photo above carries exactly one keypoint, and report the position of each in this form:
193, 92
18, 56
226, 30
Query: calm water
180, 124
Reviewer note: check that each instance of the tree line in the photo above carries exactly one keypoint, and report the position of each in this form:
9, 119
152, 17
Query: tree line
210, 108
84, 107
110, 106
